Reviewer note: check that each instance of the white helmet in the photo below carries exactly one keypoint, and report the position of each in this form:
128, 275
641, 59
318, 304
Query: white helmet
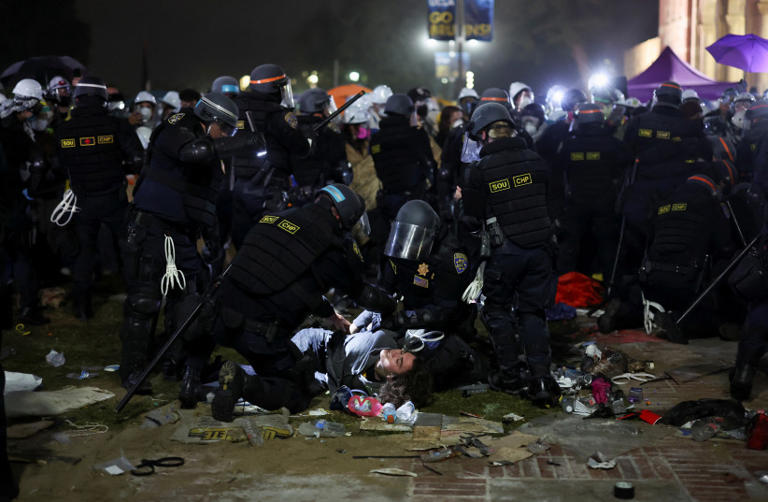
58, 82
689, 94
145, 97
516, 87
468, 93
357, 113
172, 99
380, 94
28, 88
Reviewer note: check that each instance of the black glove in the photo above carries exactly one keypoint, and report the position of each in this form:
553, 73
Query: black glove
243, 140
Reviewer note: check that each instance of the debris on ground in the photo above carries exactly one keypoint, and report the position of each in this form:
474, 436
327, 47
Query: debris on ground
50, 403
394, 471
599, 461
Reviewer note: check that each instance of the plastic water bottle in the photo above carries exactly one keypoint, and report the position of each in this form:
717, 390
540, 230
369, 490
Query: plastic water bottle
389, 413
330, 429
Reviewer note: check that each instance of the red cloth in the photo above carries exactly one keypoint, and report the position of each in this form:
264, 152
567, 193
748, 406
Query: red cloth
578, 290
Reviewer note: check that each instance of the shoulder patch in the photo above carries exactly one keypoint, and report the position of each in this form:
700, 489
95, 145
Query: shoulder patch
420, 281
268, 219
593, 155
460, 262
663, 134
105, 139
87, 141
393, 266
663, 209
67, 143
680, 206
241, 124
577, 156
375, 148
522, 179
499, 185
289, 227
291, 120
175, 118
645, 133
423, 269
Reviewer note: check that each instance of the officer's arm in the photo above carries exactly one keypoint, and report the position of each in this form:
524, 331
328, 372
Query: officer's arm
130, 147
473, 195
289, 135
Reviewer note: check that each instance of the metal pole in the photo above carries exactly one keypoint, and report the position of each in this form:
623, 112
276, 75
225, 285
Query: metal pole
460, 44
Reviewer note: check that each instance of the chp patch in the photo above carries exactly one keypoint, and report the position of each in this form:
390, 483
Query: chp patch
105, 139
289, 227
522, 179
460, 262
175, 118
67, 143
291, 120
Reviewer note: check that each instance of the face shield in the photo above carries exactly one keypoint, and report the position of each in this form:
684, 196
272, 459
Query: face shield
226, 128
286, 95
409, 242
741, 106
361, 230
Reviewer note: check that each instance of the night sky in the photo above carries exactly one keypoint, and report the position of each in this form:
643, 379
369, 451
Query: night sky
189, 43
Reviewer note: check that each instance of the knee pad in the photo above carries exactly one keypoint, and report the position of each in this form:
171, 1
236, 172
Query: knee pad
144, 304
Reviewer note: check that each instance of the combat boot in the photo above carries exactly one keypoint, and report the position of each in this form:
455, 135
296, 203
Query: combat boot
231, 383
190, 385
741, 381
543, 391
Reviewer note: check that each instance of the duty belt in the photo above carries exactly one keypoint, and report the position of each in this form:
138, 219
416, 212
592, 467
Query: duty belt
650, 266
270, 330
145, 218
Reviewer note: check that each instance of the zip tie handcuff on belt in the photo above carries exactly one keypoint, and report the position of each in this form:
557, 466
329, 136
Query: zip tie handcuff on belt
173, 277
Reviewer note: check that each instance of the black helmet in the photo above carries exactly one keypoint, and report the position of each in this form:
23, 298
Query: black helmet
226, 85
572, 98
757, 113
496, 95
216, 107
271, 80
413, 231
587, 113
314, 101
534, 110
91, 86
705, 182
420, 94
399, 104
726, 173
669, 93
348, 204
487, 114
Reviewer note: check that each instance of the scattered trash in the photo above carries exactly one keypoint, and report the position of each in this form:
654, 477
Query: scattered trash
87, 429
538, 447
649, 417
318, 412
22, 330
55, 359
688, 411
439, 455
635, 395
757, 432
21, 431
763, 479
116, 466
600, 461
407, 414
389, 413
468, 414
49, 403
17, 382
470, 390
112, 368
393, 471
204, 429
322, 428
147, 466
83, 375
601, 389
160, 416
509, 449
341, 450
61, 437
364, 406
512, 417
624, 490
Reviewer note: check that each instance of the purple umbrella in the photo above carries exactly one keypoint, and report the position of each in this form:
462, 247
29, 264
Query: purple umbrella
746, 52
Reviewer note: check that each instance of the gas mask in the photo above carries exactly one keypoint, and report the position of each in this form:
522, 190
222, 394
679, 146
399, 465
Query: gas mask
525, 100
146, 113
531, 125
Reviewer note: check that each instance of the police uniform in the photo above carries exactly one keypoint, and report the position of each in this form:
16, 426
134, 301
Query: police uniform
325, 163
593, 164
173, 198
509, 183
286, 263
550, 146
92, 148
262, 178
403, 160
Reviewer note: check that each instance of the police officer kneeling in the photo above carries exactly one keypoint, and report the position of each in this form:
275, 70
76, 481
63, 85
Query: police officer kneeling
173, 206
507, 190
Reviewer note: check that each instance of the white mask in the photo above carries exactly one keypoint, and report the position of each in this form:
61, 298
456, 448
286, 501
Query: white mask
146, 113
525, 100
739, 118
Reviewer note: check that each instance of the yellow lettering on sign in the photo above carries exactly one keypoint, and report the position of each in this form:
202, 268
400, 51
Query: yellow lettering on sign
106, 139
663, 135
269, 219
680, 206
499, 185
289, 227
593, 155
645, 133
480, 30
375, 148
576, 156
664, 209
67, 143
522, 179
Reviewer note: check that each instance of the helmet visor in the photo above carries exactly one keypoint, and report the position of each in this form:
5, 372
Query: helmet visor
286, 95
408, 241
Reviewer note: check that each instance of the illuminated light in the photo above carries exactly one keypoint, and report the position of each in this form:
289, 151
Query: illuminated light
452, 54
473, 43
261, 153
444, 80
245, 81
430, 43
598, 81
313, 79
469, 80
354, 76
557, 97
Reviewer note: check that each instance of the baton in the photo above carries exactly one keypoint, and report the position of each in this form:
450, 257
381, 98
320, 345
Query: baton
736, 223
335, 114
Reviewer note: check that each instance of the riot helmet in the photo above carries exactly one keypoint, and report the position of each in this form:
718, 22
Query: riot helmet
171, 101
413, 231
669, 94
420, 96
226, 85
357, 113
572, 98
380, 95
496, 95
59, 91
350, 207
756, 114
216, 107
487, 115
316, 100
90, 89
690, 95
270, 80
398, 104
705, 182
587, 115
27, 91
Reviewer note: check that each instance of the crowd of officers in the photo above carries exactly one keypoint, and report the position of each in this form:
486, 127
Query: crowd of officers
426, 218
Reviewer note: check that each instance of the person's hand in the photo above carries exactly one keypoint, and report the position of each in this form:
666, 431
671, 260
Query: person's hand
340, 323
457, 194
353, 329
134, 118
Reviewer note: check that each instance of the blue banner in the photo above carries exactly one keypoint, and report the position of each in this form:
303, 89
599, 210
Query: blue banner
441, 20
478, 20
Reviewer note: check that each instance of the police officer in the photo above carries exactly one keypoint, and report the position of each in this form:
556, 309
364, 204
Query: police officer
173, 206
402, 156
226, 85
261, 178
96, 151
507, 190
327, 160
594, 163
287, 262
429, 270
752, 152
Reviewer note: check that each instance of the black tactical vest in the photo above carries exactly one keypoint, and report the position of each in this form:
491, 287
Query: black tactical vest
260, 114
328, 151
398, 153
89, 149
281, 247
197, 184
682, 227
591, 168
515, 185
